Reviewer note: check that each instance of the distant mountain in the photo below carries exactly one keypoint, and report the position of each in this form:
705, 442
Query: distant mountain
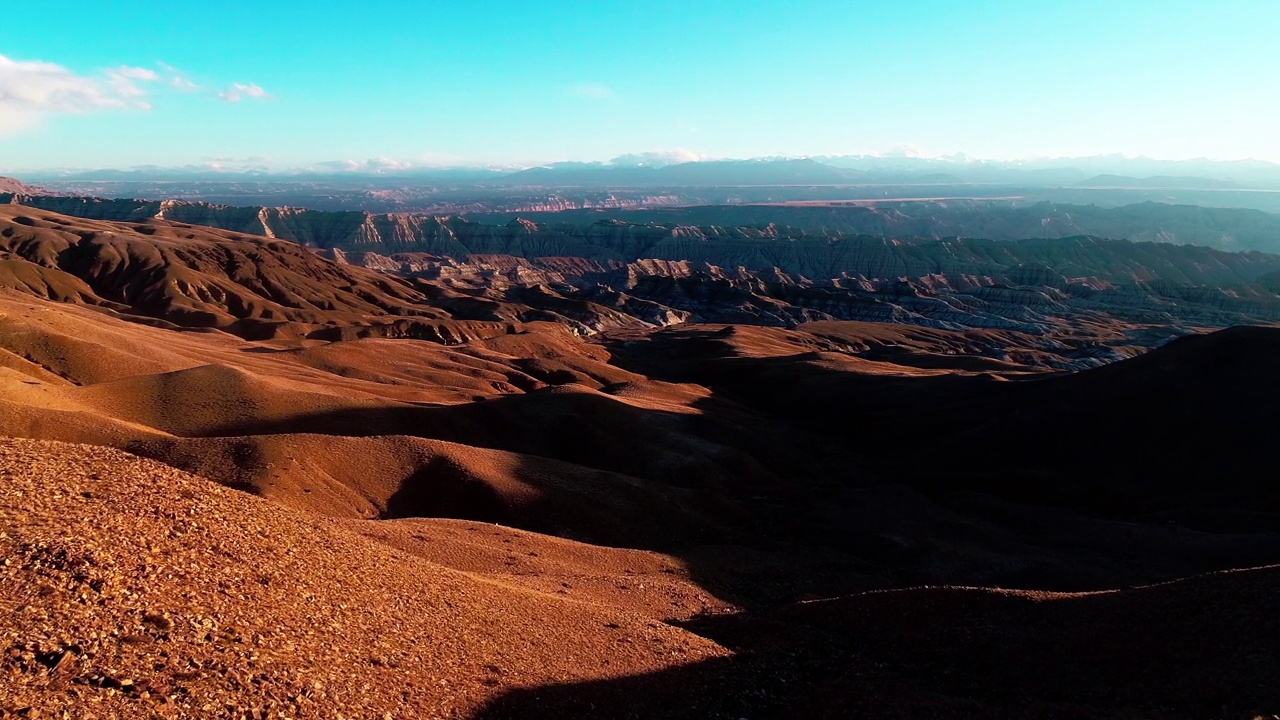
763, 273
643, 171
1067, 171
1157, 181
326, 175
705, 173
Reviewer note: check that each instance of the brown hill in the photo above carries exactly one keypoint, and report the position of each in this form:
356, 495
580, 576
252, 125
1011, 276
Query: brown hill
15, 186
331, 427
733, 471
73, 378
196, 277
206, 601
259, 287
393, 476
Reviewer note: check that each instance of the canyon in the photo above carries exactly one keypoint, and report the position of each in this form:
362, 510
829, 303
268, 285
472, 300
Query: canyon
1088, 299
469, 474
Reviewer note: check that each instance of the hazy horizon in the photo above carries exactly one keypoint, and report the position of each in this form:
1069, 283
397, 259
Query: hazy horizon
655, 159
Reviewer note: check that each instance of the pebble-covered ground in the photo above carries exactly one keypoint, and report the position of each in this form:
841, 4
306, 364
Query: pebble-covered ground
129, 589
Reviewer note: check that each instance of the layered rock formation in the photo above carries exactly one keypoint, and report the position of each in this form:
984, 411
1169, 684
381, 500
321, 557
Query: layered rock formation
813, 240
663, 292
1109, 294
1148, 221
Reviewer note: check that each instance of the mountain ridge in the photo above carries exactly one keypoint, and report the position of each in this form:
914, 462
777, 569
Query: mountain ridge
839, 169
613, 275
1221, 228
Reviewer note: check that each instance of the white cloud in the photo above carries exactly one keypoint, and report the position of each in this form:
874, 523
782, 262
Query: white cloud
594, 91
124, 80
30, 90
372, 165
240, 91
902, 151
175, 78
248, 160
655, 158
134, 73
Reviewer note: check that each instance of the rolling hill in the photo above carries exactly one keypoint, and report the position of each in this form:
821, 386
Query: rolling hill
242, 477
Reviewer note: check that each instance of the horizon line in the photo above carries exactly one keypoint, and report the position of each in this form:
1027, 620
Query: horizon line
384, 166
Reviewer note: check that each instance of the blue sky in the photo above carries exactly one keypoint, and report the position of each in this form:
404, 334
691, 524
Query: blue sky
120, 84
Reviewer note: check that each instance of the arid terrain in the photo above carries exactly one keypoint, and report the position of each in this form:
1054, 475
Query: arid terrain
249, 474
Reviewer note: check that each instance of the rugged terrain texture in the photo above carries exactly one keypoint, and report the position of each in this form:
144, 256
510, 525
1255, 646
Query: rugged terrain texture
1004, 220
1031, 299
1088, 301
201, 601
449, 489
823, 236
131, 589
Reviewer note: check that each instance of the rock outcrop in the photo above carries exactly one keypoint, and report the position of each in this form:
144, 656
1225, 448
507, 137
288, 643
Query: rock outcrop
14, 186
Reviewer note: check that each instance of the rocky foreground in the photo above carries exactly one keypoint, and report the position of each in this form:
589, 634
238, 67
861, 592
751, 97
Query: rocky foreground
130, 589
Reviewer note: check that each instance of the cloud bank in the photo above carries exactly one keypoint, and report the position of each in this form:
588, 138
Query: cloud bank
31, 90
655, 158
240, 91
372, 165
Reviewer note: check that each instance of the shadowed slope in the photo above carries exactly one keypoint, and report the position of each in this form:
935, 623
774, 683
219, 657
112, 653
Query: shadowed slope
771, 464
200, 277
377, 388
659, 586
1183, 427
217, 400
397, 476
1202, 647
1186, 425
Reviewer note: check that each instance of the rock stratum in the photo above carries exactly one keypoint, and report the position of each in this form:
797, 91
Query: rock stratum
241, 477
821, 236
1089, 297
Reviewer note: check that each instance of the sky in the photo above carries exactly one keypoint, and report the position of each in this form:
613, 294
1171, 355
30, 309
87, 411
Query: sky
368, 84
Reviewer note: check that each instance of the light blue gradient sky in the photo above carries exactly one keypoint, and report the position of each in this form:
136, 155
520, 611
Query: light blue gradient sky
520, 83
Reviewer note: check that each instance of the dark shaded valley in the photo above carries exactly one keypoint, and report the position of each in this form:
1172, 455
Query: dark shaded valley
670, 468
